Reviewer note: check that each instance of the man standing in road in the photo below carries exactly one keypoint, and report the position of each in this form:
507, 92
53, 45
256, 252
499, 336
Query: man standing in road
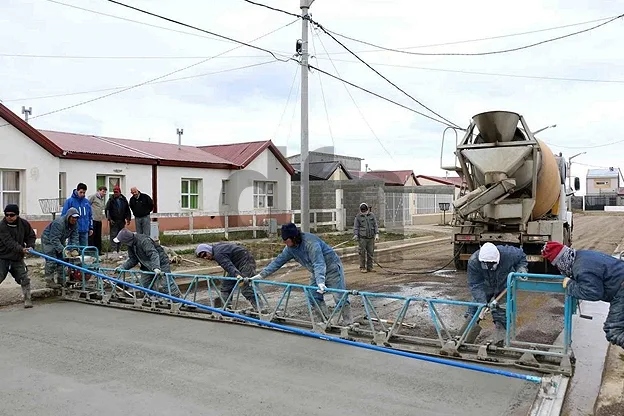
592, 276
16, 239
98, 204
141, 205
237, 262
118, 214
59, 233
488, 269
366, 232
321, 261
85, 222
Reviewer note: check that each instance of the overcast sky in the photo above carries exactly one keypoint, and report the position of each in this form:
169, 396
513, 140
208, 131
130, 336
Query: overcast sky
253, 103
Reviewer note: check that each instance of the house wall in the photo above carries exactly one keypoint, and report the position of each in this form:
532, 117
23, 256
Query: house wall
599, 186
170, 187
410, 181
339, 175
429, 182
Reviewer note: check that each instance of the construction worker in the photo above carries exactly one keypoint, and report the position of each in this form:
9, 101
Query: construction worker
118, 214
321, 261
237, 262
488, 269
592, 276
366, 232
59, 233
16, 239
151, 257
85, 221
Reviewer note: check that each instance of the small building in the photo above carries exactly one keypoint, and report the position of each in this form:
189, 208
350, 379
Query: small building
323, 171
602, 188
455, 181
351, 163
396, 177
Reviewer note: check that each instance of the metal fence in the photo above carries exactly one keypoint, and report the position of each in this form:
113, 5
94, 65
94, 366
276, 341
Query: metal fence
397, 209
430, 203
597, 203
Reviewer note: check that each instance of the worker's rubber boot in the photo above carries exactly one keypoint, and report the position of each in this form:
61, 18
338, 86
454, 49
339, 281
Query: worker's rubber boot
27, 300
472, 334
50, 283
499, 334
324, 309
347, 318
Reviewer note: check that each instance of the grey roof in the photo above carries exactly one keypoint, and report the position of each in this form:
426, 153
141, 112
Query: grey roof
603, 173
322, 170
327, 154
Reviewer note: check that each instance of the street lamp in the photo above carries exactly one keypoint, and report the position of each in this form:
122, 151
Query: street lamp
544, 128
570, 168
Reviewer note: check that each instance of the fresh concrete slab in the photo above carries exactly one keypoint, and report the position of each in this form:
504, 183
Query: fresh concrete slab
75, 359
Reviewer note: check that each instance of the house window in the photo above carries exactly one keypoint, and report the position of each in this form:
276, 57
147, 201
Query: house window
598, 183
224, 189
264, 194
9, 187
189, 195
62, 187
109, 181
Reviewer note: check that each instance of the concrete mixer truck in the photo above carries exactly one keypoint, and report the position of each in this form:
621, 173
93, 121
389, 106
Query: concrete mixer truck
513, 189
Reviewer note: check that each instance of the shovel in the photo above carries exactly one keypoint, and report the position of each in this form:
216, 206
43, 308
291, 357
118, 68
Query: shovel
476, 329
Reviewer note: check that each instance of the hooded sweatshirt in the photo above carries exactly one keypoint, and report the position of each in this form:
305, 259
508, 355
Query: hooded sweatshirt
58, 232
85, 222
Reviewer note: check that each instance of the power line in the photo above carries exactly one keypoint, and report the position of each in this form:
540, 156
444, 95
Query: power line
331, 134
167, 74
272, 8
476, 53
378, 73
494, 74
587, 147
152, 83
115, 57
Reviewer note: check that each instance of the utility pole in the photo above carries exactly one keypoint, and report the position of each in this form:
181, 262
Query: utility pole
570, 169
26, 112
180, 132
305, 162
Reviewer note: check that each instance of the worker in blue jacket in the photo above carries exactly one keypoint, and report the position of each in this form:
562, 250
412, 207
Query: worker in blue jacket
82, 204
488, 269
592, 276
321, 261
237, 261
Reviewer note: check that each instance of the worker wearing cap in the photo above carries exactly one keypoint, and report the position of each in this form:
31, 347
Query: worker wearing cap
151, 257
117, 212
237, 262
59, 233
592, 276
321, 261
16, 238
488, 269
366, 232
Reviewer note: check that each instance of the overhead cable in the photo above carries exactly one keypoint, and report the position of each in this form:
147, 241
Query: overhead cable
477, 53
255, 3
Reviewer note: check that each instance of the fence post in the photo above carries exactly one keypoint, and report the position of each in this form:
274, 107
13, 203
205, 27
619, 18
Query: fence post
191, 225
225, 226
253, 223
339, 216
314, 219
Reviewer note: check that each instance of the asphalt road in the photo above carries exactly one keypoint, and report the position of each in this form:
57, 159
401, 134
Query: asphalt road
74, 359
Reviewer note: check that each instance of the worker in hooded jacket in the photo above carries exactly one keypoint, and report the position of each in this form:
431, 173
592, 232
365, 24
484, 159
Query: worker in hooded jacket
488, 269
321, 261
56, 236
151, 257
366, 232
237, 262
592, 276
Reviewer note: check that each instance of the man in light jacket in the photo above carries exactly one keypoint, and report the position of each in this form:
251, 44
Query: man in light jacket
98, 204
366, 232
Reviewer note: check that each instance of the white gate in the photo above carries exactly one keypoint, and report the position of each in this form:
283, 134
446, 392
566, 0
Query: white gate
398, 209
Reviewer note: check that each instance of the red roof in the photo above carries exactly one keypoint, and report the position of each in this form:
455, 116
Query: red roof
394, 177
451, 180
90, 147
242, 154
356, 174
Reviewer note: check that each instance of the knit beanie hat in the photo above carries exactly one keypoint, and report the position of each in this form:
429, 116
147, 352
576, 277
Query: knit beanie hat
12, 208
489, 253
552, 251
289, 231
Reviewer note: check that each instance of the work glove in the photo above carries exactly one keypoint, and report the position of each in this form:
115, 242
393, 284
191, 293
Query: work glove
493, 304
355, 238
157, 272
522, 270
376, 237
565, 282
322, 288
118, 269
256, 277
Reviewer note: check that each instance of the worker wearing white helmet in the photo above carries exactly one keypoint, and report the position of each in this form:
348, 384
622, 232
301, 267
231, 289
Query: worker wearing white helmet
488, 269
366, 232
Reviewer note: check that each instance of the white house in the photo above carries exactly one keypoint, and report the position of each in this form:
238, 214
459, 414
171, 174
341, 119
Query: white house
39, 169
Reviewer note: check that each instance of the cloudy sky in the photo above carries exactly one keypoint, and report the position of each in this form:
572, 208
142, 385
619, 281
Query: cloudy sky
576, 83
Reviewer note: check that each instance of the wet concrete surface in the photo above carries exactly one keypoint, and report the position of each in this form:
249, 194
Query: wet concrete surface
75, 359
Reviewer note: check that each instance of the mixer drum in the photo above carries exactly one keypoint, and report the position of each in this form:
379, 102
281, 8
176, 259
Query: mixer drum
548, 183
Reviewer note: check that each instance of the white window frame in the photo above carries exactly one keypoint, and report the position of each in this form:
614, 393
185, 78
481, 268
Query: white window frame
189, 194
262, 197
3, 192
62, 192
109, 182
225, 183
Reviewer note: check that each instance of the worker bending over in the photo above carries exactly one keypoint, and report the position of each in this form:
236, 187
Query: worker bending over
593, 276
488, 269
59, 233
151, 257
237, 262
320, 259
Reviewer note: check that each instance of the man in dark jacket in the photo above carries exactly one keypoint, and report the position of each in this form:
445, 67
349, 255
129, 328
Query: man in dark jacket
85, 222
151, 257
16, 239
366, 231
118, 214
59, 233
488, 269
237, 262
141, 205
592, 276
